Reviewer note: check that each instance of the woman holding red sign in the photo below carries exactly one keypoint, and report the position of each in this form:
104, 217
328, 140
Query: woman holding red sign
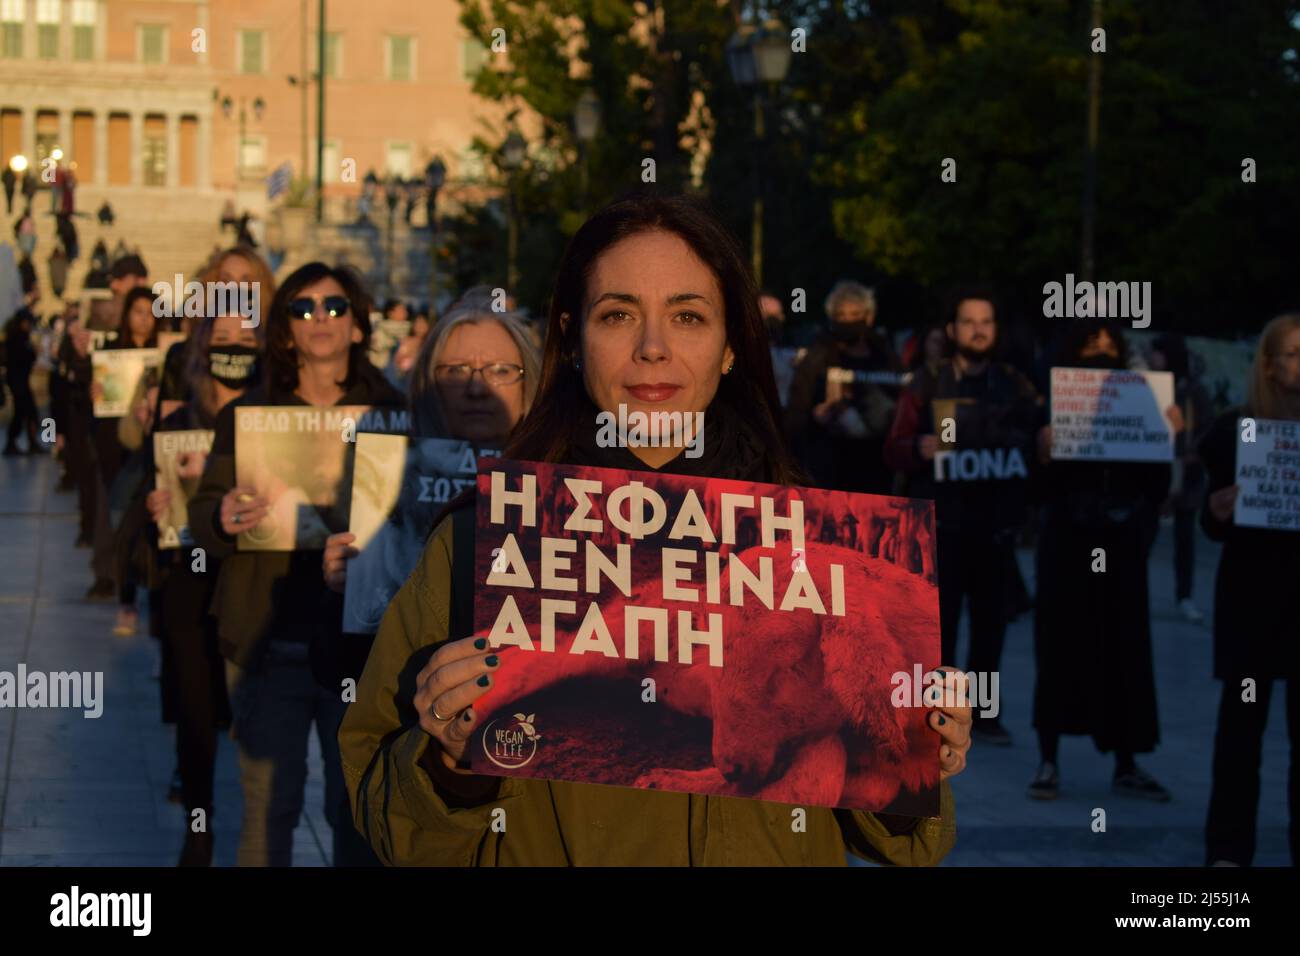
655, 310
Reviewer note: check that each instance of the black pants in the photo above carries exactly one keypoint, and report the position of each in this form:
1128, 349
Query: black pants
196, 673
79, 457
1234, 793
1184, 551
975, 566
24, 419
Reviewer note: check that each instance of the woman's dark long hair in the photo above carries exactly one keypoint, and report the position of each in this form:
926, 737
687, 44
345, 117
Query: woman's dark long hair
124, 338
550, 427
281, 359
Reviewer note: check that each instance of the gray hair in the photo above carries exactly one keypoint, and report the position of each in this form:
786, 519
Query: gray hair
846, 290
427, 419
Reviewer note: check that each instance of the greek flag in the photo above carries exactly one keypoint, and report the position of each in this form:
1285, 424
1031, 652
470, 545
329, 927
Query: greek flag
279, 180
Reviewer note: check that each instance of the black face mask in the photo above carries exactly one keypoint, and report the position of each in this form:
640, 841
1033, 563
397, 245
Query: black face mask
1098, 361
234, 366
848, 332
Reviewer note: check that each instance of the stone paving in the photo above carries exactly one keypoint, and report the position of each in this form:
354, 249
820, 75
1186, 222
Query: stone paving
76, 791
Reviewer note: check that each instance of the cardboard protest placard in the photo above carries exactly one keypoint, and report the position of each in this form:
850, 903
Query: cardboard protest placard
179, 457
118, 373
385, 336
99, 314
398, 486
299, 458
1111, 415
706, 636
1268, 471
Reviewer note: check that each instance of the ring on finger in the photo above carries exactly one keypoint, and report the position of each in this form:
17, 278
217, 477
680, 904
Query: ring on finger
236, 518
438, 717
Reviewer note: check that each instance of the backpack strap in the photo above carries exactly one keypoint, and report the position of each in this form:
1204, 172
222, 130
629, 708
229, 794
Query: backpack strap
460, 622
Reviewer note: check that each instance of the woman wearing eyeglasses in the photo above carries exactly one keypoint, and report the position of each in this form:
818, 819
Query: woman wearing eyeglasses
473, 380
267, 602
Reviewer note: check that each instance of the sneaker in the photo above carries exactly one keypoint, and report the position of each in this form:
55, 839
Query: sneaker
1047, 783
1190, 612
990, 731
1139, 783
102, 590
128, 619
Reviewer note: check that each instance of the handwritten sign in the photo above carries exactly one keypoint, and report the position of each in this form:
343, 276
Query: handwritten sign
1111, 415
1268, 471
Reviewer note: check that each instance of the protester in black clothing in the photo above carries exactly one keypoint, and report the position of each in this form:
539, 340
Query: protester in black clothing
1254, 612
837, 421
20, 359
73, 423
964, 435
10, 179
773, 318
105, 214
138, 329
1169, 353
1092, 629
318, 331
220, 366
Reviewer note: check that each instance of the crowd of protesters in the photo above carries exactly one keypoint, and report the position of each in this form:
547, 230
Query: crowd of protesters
253, 642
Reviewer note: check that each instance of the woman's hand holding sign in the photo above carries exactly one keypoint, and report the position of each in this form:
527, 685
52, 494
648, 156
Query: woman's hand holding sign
334, 562
457, 675
242, 509
951, 718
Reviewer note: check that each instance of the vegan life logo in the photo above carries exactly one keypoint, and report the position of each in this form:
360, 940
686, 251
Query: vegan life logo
512, 745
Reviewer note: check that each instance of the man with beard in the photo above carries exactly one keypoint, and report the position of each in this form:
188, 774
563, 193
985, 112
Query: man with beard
842, 397
974, 466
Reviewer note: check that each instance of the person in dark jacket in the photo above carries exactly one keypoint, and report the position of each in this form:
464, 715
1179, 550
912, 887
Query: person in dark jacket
964, 436
266, 604
222, 364
1092, 626
1254, 611
74, 421
20, 359
1169, 353
842, 397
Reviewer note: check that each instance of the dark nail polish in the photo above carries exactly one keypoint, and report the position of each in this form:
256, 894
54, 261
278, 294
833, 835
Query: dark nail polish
468, 717
481, 643
483, 681
941, 720
491, 660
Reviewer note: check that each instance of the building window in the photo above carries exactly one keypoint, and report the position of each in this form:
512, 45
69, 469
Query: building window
397, 160
473, 56
47, 29
11, 18
153, 43
253, 154
401, 58
251, 49
333, 55
83, 29
155, 158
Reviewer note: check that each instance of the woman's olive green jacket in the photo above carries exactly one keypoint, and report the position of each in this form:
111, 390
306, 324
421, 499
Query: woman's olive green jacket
477, 821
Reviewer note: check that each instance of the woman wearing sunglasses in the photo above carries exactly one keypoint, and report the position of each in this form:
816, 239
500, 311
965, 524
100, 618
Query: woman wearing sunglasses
267, 602
653, 308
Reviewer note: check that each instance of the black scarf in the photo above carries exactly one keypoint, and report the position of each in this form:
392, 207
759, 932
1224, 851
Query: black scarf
731, 448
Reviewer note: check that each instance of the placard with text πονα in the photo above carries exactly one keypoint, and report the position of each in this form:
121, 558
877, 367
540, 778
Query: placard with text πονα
1268, 474
705, 635
1111, 415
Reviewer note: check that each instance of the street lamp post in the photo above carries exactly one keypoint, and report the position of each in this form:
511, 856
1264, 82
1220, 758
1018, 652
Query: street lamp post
227, 107
435, 174
759, 56
512, 158
391, 196
586, 124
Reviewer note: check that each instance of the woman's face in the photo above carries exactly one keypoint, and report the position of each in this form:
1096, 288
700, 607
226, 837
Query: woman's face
323, 338
476, 411
1284, 367
235, 269
1100, 344
141, 321
419, 327
654, 332
229, 330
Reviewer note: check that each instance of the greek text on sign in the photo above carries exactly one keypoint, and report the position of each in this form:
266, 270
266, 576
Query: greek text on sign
1111, 415
1268, 472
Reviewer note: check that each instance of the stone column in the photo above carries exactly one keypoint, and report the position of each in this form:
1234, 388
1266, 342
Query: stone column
101, 148
203, 146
